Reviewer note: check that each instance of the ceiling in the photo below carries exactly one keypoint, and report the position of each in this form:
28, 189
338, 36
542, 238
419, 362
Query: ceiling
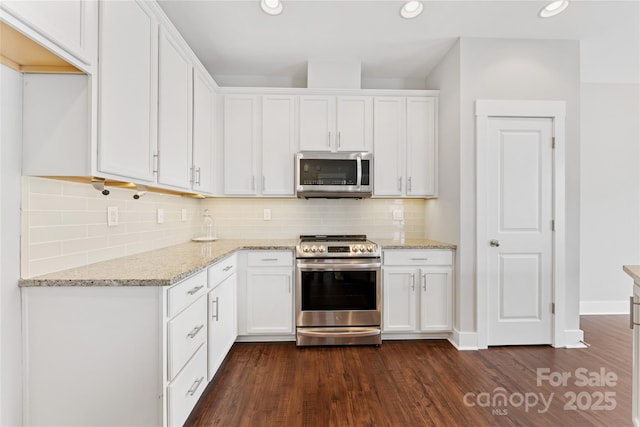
242, 46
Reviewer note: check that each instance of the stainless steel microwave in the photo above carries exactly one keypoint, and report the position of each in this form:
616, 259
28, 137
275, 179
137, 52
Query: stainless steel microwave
334, 175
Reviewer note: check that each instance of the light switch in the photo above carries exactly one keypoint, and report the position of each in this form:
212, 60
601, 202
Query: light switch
112, 216
398, 215
266, 214
160, 215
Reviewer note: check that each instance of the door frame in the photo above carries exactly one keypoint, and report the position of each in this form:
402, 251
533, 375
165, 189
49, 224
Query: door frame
555, 110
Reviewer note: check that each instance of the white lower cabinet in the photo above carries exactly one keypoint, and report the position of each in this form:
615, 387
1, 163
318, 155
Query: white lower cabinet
223, 319
124, 355
266, 303
417, 291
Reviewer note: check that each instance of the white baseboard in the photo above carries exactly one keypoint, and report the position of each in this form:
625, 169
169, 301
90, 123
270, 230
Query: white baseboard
464, 340
604, 307
573, 338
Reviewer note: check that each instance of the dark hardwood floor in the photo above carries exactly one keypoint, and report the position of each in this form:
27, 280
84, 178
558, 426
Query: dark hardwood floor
425, 383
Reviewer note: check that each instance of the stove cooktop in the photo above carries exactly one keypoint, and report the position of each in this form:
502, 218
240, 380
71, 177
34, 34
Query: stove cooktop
337, 246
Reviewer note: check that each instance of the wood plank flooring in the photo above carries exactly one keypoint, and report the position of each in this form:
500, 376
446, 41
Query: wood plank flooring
425, 383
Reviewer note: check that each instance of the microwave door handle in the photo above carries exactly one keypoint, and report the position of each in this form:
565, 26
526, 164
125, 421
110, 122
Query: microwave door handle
359, 171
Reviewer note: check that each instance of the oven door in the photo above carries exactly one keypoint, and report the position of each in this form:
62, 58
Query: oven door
338, 292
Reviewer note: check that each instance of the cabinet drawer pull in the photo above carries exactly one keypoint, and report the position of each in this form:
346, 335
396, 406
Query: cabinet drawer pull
269, 259
419, 259
215, 301
632, 312
195, 331
424, 282
227, 268
195, 386
195, 290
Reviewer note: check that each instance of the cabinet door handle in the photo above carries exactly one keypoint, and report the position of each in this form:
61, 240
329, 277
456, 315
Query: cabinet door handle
632, 312
264, 183
339, 139
409, 184
156, 157
424, 282
195, 386
192, 175
413, 283
215, 316
399, 184
198, 176
227, 268
195, 331
253, 183
195, 290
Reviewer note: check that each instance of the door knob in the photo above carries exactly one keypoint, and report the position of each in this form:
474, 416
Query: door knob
494, 243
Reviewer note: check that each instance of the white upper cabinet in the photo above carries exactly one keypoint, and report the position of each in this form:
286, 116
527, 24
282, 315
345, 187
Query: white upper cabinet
240, 142
354, 123
388, 147
317, 122
335, 123
405, 146
204, 115
71, 25
421, 147
278, 145
175, 89
127, 113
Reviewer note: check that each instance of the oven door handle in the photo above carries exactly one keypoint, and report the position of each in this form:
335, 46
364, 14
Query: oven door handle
344, 333
338, 266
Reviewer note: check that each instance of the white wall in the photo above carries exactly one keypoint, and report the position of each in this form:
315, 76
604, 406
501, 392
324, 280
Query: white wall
610, 194
442, 215
10, 317
520, 69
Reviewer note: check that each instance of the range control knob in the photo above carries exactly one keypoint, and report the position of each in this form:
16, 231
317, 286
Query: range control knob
354, 248
320, 248
370, 248
305, 249
314, 249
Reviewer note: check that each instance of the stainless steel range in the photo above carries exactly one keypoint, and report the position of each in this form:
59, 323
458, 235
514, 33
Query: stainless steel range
337, 290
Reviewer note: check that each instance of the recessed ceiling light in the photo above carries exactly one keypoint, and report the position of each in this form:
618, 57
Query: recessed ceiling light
553, 8
411, 9
271, 7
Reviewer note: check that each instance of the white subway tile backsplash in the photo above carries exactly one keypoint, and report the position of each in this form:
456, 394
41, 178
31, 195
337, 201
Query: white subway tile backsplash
65, 223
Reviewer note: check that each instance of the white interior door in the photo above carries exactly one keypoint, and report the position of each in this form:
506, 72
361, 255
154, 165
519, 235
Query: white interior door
519, 230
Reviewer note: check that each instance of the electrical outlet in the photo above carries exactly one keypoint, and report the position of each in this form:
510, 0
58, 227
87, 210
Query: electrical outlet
112, 216
184, 214
398, 215
266, 214
160, 215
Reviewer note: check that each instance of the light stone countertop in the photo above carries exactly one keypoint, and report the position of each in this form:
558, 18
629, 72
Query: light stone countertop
167, 266
633, 271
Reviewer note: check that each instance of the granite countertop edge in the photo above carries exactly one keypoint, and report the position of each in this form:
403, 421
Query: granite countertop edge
135, 271
633, 271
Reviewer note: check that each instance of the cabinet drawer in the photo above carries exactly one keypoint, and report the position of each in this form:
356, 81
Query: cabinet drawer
418, 257
186, 292
221, 270
270, 259
187, 388
187, 332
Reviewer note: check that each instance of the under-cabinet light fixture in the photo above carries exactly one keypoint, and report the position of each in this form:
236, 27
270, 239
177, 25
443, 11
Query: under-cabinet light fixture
411, 9
271, 7
553, 8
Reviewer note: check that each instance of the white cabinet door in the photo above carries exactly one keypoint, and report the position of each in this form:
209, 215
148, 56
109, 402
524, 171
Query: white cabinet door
70, 24
388, 146
399, 299
127, 90
222, 322
354, 123
436, 305
240, 140
278, 145
317, 123
204, 117
269, 304
421, 147
174, 114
